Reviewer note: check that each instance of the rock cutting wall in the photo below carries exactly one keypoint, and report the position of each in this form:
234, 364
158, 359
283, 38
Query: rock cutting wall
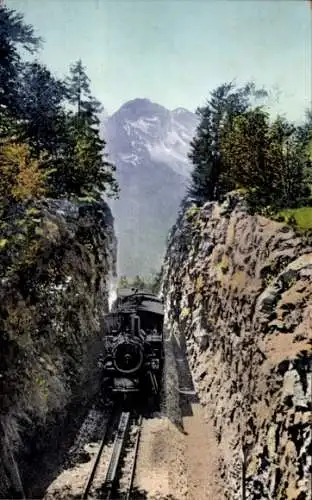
50, 328
238, 290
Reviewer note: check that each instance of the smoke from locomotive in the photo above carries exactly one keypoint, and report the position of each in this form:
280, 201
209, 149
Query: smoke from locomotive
134, 343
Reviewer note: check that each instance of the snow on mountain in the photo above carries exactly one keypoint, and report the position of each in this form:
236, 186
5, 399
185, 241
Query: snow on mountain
175, 145
149, 146
153, 131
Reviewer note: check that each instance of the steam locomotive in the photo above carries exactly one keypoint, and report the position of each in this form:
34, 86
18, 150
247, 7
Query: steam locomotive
134, 344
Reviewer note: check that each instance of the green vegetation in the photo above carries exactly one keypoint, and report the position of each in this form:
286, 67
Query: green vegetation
50, 144
224, 105
191, 212
238, 147
151, 284
302, 217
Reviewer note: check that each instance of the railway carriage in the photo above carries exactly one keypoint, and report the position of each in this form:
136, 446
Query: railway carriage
134, 343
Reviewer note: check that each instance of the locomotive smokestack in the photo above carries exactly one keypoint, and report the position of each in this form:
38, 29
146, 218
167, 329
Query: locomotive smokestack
135, 325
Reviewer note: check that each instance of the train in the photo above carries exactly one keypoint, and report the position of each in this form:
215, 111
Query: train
134, 350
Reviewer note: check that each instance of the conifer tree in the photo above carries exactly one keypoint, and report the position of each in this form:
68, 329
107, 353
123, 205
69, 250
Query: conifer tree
14, 33
85, 106
38, 129
41, 98
224, 104
265, 159
93, 174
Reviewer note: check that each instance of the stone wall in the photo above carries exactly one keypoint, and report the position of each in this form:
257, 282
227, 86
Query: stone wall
51, 313
238, 288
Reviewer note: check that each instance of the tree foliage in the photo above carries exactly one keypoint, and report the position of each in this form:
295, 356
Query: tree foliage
225, 103
265, 159
41, 99
85, 105
150, 284
43, 115
238, 146
14, 34
22, 177
92, 173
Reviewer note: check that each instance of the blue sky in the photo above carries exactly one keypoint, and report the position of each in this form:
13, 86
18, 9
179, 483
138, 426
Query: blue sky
176, 51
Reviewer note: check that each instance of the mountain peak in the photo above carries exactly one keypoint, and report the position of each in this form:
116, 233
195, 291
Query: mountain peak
149, 146
141, 107
142, 130
180, 111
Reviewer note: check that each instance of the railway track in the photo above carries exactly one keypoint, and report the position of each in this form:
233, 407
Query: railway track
124, 429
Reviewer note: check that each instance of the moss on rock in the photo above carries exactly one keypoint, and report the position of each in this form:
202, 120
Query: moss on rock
51, 311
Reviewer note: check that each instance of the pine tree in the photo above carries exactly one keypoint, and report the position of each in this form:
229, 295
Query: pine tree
93, 174
138, 282
156, 282
202, 187
86, 107
14, 33
41, 97
40, 129
304, 142
225, 103
90, 175
264, 159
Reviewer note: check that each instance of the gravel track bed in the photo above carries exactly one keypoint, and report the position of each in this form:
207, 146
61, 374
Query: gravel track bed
175, 447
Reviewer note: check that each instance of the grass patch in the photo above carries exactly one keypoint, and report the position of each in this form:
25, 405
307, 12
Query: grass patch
302, 216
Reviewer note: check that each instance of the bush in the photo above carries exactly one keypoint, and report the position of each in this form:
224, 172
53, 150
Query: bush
22, 177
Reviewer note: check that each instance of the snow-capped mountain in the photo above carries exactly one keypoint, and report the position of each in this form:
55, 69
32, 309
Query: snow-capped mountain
148, 130
149, 146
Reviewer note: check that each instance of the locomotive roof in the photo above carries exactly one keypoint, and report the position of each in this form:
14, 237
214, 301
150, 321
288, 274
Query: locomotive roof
150, 302
152, 306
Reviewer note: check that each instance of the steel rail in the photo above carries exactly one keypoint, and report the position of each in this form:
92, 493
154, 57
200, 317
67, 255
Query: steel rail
136, 447
114, 463
109, 484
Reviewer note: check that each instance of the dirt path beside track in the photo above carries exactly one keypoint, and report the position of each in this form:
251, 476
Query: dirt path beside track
178, 454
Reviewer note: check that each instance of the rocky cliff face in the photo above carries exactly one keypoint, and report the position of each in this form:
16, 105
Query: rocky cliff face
50, 328
238, 292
